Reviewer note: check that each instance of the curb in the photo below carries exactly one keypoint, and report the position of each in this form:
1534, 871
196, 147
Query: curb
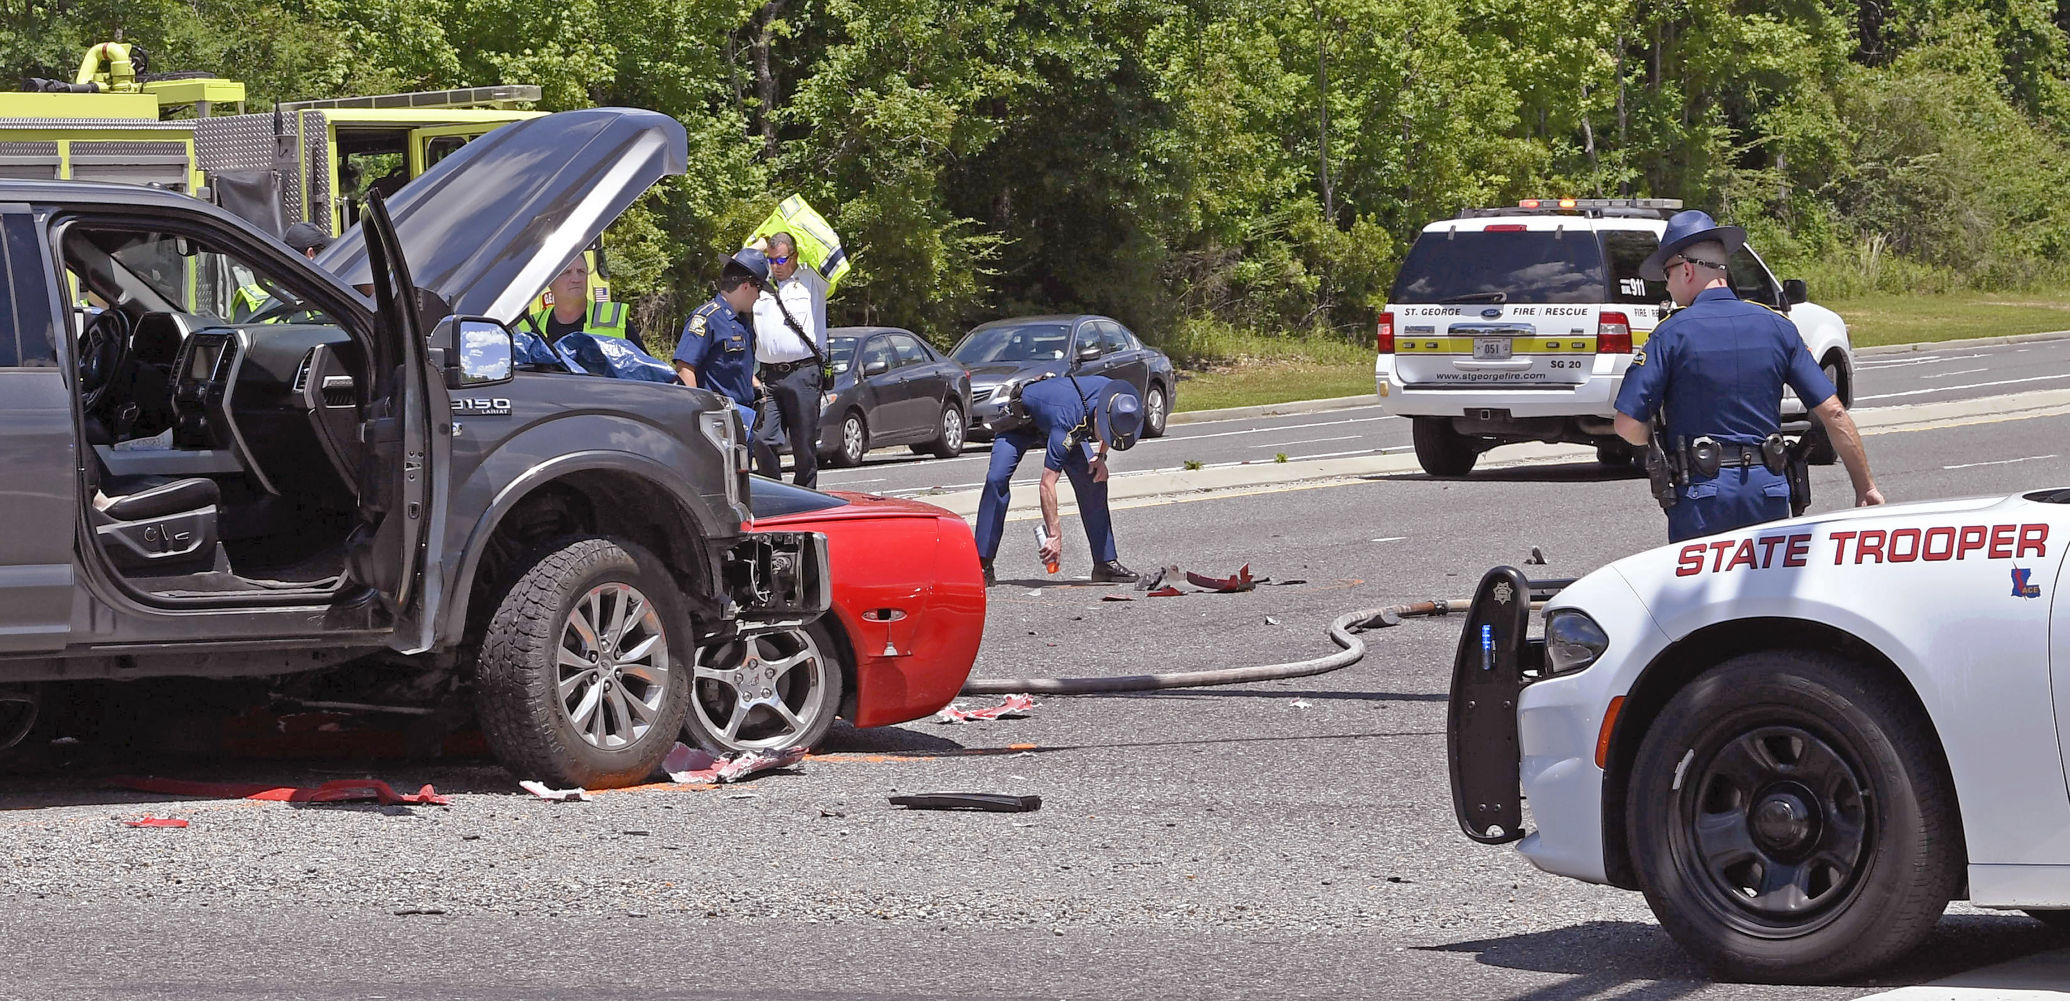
1274, 409
1370, 399
1960, 342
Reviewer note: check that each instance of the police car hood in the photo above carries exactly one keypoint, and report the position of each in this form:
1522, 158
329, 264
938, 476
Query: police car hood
488, 226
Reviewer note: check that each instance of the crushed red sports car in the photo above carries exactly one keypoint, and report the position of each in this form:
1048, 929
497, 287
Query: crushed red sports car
908, 612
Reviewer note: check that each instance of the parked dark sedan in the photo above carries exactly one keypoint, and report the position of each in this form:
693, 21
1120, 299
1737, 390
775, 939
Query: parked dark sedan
1003, 353
890, 388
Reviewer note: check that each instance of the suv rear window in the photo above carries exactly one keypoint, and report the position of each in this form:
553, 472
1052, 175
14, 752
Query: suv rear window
1536, 266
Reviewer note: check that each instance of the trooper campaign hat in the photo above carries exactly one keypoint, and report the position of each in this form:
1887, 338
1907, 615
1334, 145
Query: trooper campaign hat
1685, 229
752, 261
1118, 415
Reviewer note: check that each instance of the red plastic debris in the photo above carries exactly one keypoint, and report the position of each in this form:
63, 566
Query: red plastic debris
1013, 706
336, 791
150, 821
1224, 585
1166, 591
690, 764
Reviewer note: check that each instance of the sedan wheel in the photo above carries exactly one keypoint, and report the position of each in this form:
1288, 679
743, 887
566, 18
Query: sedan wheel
855, 441
768, 692
950, 444
1154, 412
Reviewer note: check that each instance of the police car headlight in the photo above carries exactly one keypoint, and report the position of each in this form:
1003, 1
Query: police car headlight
1572, 641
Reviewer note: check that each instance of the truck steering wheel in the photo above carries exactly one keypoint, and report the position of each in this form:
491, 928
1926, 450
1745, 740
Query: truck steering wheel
103, 347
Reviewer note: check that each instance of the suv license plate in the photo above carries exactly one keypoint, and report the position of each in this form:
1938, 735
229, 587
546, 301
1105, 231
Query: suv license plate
1491, 349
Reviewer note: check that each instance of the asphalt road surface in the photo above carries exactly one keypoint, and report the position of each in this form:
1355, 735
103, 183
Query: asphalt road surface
1882, 379
1292, 839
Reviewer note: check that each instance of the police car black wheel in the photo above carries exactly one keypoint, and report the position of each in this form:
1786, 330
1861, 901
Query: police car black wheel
1442, 451
1791, 819
584, 673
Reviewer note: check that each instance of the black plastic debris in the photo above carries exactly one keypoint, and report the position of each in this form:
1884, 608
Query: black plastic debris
990, 802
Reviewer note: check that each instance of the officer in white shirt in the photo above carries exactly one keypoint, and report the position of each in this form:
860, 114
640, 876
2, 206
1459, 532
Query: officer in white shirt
790, 345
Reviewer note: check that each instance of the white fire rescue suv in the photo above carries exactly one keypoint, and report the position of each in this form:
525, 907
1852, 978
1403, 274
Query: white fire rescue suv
1799, 740
1516, 324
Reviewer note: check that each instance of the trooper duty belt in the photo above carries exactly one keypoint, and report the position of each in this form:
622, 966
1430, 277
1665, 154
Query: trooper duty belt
1703, 456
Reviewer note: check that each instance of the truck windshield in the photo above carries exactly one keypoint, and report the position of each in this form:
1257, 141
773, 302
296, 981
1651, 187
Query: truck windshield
1537, 266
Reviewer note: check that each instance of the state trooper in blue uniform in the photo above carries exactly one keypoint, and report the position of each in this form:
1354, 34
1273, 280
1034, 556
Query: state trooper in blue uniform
1070, 415
1717, 368
717, 348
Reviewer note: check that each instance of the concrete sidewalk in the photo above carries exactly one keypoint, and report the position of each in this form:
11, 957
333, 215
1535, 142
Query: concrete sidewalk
1160, 486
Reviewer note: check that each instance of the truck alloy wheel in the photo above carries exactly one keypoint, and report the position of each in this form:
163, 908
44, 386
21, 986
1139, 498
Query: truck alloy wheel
766, 692
581, 679
1791, 819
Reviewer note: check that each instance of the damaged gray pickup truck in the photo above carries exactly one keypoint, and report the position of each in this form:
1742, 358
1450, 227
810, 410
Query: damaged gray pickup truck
357, 480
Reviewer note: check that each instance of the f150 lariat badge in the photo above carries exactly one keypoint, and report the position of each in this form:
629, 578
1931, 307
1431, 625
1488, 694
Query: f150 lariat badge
481, 406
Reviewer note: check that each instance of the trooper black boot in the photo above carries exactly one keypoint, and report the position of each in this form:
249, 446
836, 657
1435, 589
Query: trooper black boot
989, 579
1112, 572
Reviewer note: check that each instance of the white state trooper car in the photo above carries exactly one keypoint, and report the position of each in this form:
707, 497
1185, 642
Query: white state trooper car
1799, 740
1517, 324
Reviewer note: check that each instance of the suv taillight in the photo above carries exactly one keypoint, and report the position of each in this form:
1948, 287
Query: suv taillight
1613, 334
1385, 338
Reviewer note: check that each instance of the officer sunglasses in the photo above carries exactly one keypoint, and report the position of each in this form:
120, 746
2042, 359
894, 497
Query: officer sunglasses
785, 259
1679, 261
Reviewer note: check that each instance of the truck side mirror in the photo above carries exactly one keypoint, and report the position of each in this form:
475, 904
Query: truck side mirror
478, 351
1794, 291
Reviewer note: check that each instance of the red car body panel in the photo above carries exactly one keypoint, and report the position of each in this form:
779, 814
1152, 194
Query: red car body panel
908, 600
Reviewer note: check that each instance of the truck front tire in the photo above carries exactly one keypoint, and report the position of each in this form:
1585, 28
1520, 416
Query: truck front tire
1440, 450
1791, 819
584, 674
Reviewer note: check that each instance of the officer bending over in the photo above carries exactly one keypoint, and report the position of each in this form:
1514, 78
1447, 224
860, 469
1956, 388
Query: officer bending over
1070, 414
1716, 369
717, 349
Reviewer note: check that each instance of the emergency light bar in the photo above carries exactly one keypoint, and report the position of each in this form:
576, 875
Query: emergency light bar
1648, 208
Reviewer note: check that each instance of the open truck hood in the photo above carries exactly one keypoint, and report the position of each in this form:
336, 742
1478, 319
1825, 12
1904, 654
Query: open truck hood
487, 227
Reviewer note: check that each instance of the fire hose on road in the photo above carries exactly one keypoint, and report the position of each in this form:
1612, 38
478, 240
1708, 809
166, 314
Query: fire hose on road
1344, 632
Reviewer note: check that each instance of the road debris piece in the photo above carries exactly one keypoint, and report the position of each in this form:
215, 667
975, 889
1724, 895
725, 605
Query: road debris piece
1280, 583
990, 802
1303, 704
539, 789
403, 912
1536, 559
336, 791
1166, 591
1224, 585
150, 821
688, 764
1270, 621
1014, 707
1115, 597
1156, 577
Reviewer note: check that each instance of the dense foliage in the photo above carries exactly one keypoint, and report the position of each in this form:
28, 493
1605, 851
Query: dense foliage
1192, 164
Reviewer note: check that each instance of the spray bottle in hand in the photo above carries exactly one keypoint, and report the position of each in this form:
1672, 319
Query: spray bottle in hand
1042, 542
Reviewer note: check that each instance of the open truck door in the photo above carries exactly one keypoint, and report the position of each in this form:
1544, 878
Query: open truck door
400, 496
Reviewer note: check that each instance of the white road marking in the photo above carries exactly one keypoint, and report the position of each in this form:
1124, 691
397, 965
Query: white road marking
2039, 977
1998, 462
1277, 427
1308, 441
1973, 385
1226, 420
1950, 375
1393, 538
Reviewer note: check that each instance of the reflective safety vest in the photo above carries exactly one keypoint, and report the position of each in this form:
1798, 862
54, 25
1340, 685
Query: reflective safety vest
247, 300
604, 319
818, 244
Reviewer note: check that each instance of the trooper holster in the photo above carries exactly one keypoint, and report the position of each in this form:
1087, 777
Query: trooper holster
1665, 472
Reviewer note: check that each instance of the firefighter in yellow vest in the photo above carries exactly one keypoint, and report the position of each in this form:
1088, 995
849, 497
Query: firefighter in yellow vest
572, 312
250, 298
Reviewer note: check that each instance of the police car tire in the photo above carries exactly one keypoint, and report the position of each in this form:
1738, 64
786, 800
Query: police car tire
1910, 860
517, 675
1615, 455
1440, 450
